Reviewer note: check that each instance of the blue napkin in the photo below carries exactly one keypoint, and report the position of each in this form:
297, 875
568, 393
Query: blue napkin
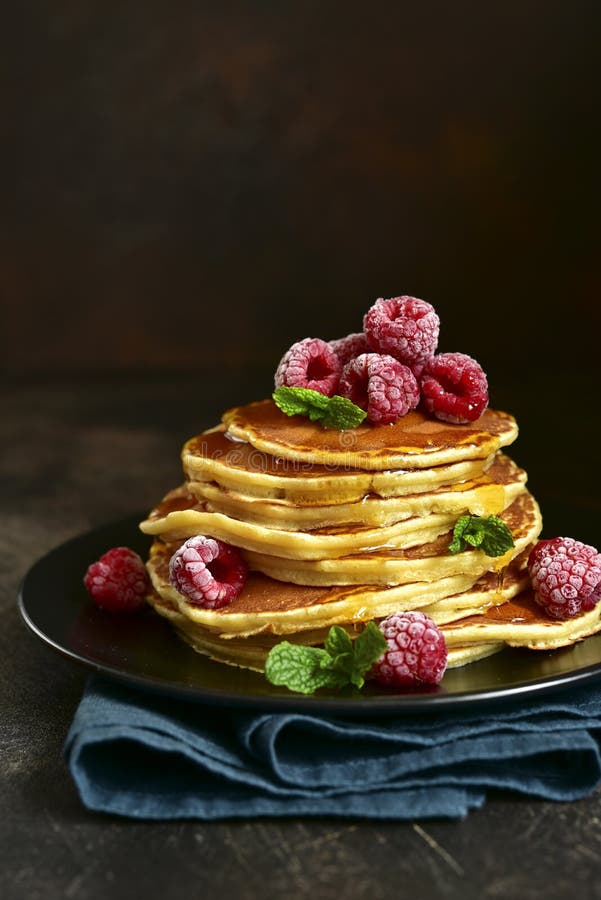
154, 757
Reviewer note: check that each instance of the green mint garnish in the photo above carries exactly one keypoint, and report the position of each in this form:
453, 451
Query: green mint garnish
298, 668
341, 413
487, 533
332, 412
297, 401
340, 662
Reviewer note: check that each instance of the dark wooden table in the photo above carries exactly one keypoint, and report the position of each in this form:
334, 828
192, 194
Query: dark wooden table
81, 451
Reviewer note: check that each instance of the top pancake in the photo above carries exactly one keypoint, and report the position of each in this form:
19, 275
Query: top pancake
235, 465
413, 441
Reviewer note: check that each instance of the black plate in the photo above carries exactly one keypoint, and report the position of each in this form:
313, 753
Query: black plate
143, 649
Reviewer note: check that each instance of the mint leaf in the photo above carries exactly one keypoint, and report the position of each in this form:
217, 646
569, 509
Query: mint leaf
298, 668
342, 413
332, 412
341, 662
488, 533
339, 648
464, 533
369, 647
297, 401
338, 642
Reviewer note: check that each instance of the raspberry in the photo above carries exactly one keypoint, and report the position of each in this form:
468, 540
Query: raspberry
566, 576
381, 385
404, 327
543, 547
118, 581
209, 572
349, 347
310, 363
454, 388
418, 370
416, 652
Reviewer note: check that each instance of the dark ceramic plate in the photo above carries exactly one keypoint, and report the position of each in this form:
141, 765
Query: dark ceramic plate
143, 650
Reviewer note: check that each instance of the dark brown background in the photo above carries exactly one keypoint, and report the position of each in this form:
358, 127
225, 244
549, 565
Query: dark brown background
185, 183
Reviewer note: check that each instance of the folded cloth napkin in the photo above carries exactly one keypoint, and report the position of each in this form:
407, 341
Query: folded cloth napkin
149, 756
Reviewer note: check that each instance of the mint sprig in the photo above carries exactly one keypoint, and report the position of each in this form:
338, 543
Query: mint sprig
331, 412
487, 533
341, 661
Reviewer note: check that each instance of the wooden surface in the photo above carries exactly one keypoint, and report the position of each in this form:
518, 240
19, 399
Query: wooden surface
81, 451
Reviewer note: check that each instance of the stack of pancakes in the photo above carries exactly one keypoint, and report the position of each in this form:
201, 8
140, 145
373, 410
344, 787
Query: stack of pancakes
344, 527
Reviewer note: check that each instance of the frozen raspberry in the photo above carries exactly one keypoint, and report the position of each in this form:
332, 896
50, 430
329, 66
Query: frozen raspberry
310, 363
118, 581
416, 652
566, 576
418, 370
454, 388
381, 385
403, 327
349, 347
208, 572
551, 546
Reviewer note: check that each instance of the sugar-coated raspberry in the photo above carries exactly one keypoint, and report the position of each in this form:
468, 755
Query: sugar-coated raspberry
207, 571
416, 651
565, 576
381, 385
418, 370
118, 581
569, 546
349, 347
404, 327
310, 363
454, 387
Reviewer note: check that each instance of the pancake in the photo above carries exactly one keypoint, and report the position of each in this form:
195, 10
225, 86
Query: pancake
511, 620
488, 494
213, 457
415, 441
180, 516
462, 656
247, 655
425, 562
284, 608
249, 649
345, 529
522, 623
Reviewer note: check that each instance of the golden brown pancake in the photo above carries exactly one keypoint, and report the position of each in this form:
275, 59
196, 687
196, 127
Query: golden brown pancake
488, 494
507, 620
425, 562
522, 623
345, 529
180, 516
209, 631
267, 605
238, 466
415, 441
